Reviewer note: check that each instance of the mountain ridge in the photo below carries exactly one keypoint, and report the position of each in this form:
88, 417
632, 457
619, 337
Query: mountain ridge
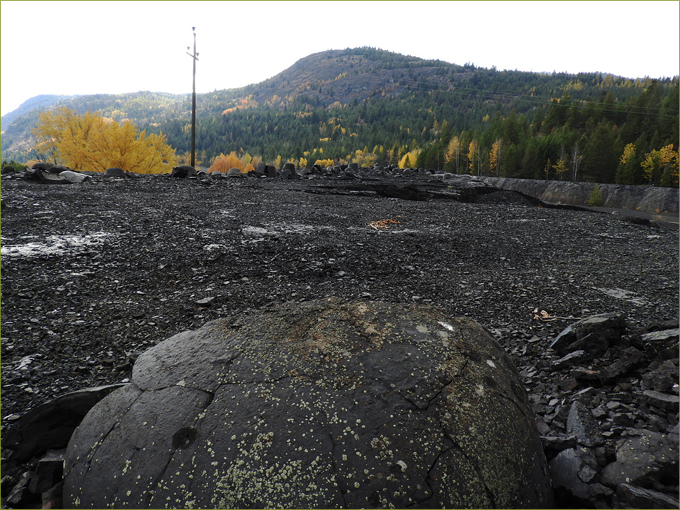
303, 72
337, 102
30, 104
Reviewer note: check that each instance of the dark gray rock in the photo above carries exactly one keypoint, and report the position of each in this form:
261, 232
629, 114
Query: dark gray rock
48, 471
20, 494
593, 334
555, 444
57, 169
42, 165
661, 377
663, 344
184, 171
289, 174
661, 400
630, 496
317, 405
50, 425
570, 359
626, 360
234, 172
567, 470
115, 172
44, 177
582, 424
643, 459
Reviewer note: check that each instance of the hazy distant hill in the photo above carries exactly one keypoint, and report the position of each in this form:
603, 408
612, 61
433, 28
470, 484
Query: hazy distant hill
340, 101
44, 101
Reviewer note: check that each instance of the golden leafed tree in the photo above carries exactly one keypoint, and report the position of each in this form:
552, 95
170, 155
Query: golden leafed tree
325, 163
628, 152
561, 167
225, 163
185, 159
495, 156
409, 159
453, 149
661, 166
90, 142
472, 152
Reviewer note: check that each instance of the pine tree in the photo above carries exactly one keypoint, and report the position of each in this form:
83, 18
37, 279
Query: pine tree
595, 199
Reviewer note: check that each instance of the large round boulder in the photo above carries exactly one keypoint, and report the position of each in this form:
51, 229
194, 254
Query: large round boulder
324, 404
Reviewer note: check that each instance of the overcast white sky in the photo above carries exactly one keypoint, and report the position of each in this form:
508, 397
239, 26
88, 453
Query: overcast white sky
55, 47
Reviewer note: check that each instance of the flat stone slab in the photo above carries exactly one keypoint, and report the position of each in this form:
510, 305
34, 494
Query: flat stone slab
323, 404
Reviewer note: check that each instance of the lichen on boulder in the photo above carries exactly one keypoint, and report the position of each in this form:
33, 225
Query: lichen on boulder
323, 404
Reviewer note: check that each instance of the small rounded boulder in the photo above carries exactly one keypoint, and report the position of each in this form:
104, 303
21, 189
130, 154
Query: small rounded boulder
324, 404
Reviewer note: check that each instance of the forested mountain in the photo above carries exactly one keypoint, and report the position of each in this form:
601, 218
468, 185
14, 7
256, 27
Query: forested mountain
373, 106
42, 101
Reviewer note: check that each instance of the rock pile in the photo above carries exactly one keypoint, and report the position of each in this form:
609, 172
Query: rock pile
608, 415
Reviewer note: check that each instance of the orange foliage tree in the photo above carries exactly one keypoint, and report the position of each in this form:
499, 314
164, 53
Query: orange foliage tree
244, 165
225, 163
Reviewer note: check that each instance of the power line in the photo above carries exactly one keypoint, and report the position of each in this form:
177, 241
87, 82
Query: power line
538, 100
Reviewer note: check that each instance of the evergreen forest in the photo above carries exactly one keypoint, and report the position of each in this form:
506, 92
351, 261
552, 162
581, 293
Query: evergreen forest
371, 106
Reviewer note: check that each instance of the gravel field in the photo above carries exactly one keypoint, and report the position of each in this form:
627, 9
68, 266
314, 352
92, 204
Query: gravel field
95, 273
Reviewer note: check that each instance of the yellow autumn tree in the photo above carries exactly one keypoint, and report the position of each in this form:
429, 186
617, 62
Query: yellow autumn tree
409, 159
324, 163
185, 159
364, 158
495, 156
453, 151
628, 152
561, 166
472, 152
661, 166
90, 142
256, 161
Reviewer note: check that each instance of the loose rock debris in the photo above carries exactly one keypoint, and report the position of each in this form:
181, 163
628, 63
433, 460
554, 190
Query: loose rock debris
83, 316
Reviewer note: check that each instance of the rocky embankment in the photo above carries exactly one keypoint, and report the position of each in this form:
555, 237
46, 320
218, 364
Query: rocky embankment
96, 272
650, 199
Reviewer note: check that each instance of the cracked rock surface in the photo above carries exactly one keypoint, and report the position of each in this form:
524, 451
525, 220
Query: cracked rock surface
325, 404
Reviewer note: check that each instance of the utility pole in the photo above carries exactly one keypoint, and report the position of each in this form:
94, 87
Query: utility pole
193, 104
